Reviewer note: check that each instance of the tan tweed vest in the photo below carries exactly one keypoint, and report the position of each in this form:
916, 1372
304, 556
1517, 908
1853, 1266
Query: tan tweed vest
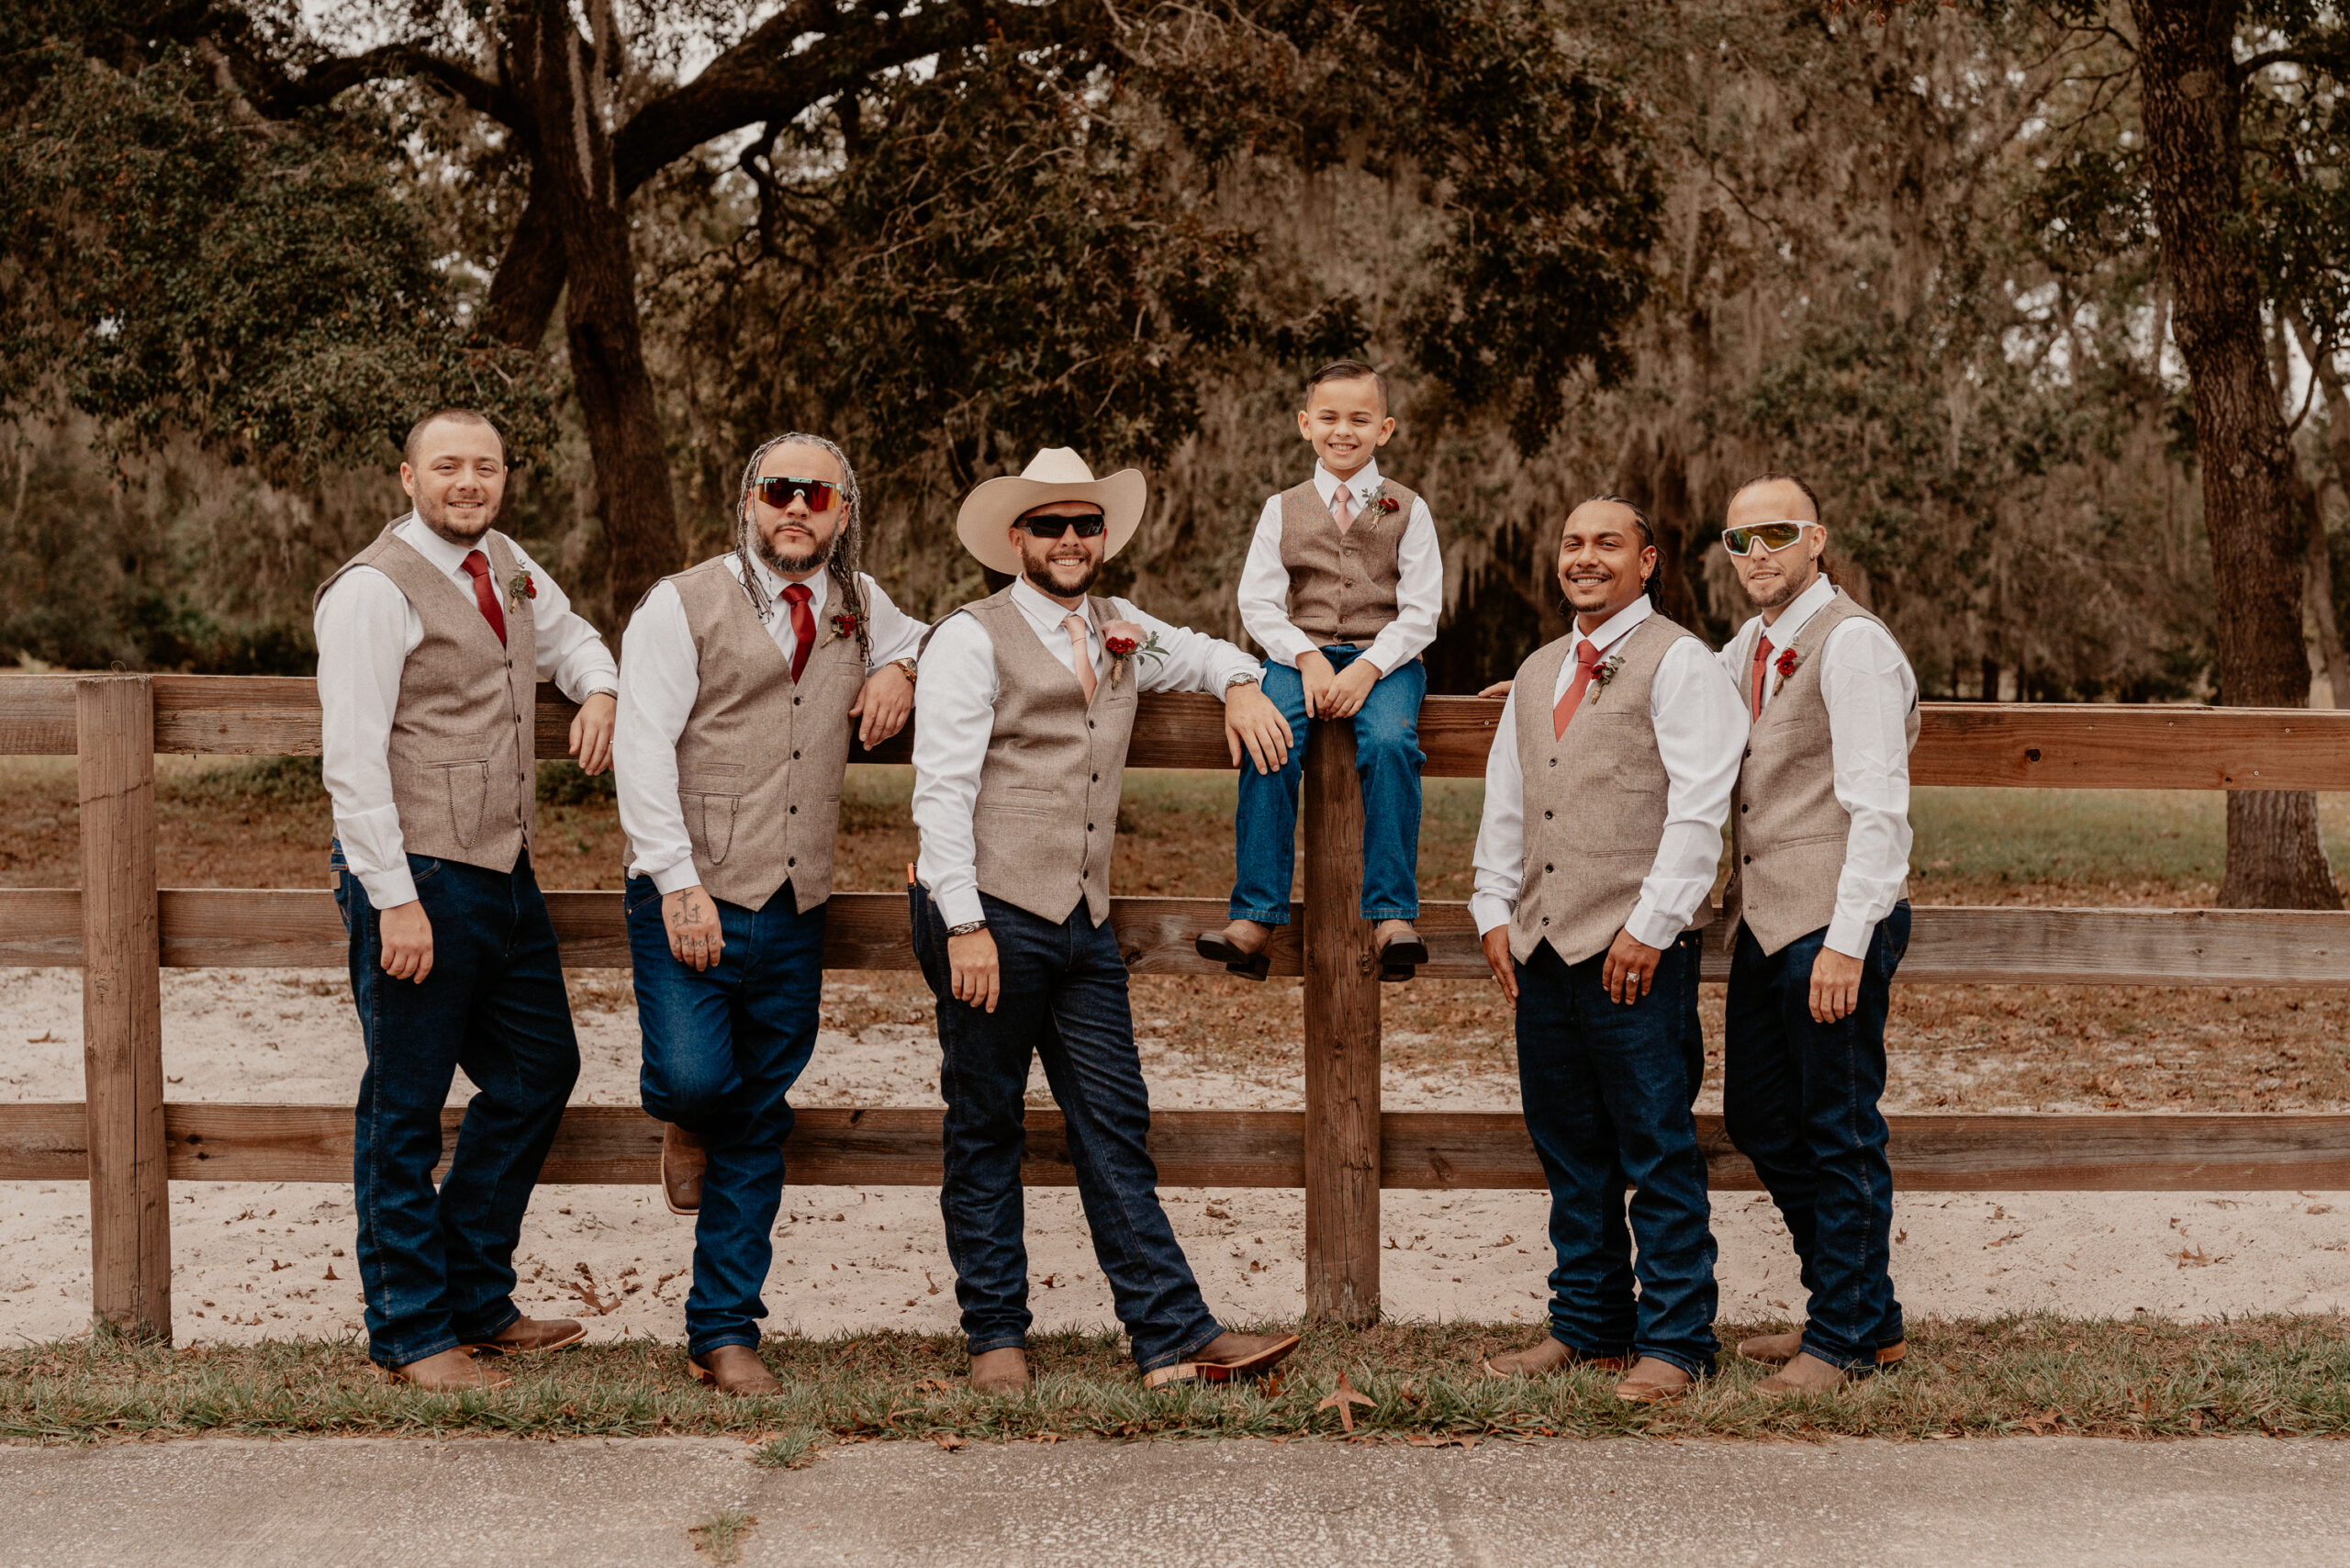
1046, 818
1787, 831
1594, 798
760, 760
464, 774
1342, 586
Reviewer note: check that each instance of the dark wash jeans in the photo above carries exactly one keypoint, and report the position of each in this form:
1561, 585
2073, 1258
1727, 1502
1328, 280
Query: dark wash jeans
1063, 1000
1387, 761
1608, 1089
722, 1048
1800, 1101
438, 1268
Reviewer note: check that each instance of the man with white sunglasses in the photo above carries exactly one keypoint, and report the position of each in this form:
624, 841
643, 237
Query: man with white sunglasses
1818, 919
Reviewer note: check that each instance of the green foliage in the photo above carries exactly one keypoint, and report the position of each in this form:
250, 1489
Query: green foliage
171, 263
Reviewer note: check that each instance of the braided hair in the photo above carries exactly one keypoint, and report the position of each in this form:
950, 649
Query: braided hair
840, 563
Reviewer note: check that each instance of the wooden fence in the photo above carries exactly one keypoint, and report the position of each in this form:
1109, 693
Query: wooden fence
1342, 1148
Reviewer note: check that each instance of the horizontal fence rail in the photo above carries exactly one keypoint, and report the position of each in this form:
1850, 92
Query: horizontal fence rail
1342, 1148
262, 928
620, 1145
1990, 744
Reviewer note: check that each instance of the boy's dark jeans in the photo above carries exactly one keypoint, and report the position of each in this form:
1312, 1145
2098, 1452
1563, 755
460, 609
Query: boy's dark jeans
722, 1047
1799, 1099
1387, 761
438, 1268
1608, 1089
1063, 1000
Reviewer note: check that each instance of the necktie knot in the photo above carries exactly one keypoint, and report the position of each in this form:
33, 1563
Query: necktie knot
476, 565
1342, 507
803, 625
797, 593
1587, 655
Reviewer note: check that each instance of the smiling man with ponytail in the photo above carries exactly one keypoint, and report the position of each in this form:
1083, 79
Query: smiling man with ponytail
742, 680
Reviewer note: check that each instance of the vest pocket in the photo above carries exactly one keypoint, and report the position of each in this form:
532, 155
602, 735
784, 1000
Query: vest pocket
467, 783
1025, 801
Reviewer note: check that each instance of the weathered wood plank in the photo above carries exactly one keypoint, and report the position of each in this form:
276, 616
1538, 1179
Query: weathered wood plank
298, 928
1341, 1048
122, 1006
611, 1145
2065, 746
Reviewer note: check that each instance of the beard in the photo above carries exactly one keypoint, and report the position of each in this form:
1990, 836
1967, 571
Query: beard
1040, 578
434, 515
784, 565
1771, 596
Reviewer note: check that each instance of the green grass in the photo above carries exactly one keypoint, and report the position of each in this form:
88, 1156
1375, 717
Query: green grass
2005, 1376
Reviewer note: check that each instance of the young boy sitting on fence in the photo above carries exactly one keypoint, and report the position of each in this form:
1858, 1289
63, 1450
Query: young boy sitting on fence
1342, 588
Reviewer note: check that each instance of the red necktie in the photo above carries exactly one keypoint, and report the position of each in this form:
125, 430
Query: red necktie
803, 625
1586, 661
477, 567
1761, 663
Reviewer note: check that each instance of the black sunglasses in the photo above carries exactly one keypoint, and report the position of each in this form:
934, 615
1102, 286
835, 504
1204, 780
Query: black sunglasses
778, 492
1053, 527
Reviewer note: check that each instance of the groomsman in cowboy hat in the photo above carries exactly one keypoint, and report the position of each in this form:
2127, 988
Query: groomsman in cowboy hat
1818, 919
432, 643
1025, 708
743, 680
1604, 793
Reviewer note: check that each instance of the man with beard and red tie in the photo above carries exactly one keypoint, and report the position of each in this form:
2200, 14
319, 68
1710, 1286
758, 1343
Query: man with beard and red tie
432, 643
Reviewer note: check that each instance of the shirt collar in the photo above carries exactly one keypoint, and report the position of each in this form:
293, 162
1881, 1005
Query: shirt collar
1797, 615
1045, 610
1365, 480
450, 559
1617, 625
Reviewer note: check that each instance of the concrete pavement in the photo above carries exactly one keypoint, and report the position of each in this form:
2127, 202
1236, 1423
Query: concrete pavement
471, 1503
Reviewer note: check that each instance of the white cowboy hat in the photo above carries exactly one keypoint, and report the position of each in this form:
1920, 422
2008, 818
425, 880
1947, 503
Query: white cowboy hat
1055, 474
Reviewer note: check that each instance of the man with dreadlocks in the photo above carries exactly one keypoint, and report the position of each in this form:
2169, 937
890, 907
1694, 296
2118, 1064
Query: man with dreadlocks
740, 678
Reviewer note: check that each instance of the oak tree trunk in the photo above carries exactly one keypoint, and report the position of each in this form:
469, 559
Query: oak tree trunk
2192, 98
584, 205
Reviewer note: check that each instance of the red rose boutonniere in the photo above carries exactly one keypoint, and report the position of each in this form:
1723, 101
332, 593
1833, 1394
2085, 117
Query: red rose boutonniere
1786, 664
1125, 642
844, 624
1606, 670
1380, 502
520, 587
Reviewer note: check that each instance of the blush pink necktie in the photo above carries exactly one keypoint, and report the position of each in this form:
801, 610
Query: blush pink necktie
1342, 508
1080, 662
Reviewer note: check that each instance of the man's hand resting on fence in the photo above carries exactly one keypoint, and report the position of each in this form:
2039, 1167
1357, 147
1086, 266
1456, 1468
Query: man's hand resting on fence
1497, 958
404, 938
971, 968
690, 917
591, 732
1251, 722
1835, 986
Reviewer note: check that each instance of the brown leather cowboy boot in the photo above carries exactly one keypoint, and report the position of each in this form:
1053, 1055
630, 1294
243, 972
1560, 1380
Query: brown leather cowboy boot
1549, 1356
448, 1371
525, 1334
1001, 1372
1654, 1378
1241, 948
683, 1160
733, 1369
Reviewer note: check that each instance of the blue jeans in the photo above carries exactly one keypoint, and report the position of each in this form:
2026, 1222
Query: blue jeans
1387, 760
722, 1048
1063, 1000
1608, 1089
1799, 1099
438, 1268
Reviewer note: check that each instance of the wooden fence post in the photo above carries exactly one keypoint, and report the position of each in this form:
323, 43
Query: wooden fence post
122, 1011
1341, 1043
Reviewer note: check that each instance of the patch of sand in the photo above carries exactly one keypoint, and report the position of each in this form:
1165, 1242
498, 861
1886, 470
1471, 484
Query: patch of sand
251, 1261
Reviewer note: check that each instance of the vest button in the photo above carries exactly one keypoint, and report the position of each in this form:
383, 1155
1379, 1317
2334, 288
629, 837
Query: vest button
1549, 867
1097, 778
791, 860
1747, 861
795, 810
795, 702
1741, 811
795, 757
1750, 751
1089, 827
1547, 815
1089, 723
1546, 919
1554, 762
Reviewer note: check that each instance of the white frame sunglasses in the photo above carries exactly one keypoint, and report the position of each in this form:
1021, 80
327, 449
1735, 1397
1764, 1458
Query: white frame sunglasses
1753, 533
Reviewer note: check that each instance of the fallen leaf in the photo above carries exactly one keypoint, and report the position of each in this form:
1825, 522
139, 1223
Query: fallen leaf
331, 1273
1345, 1395
930, 1283
935, 1385
45, 1037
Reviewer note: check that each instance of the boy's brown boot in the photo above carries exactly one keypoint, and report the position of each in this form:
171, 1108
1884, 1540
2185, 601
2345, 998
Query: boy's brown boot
1244, 947
1401, 951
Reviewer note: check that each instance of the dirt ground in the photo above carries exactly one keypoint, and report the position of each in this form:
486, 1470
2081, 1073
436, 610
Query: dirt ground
254, 1261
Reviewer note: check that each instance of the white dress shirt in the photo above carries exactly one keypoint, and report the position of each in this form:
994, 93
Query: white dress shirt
366, 629
1869, 689
1419, 590
955, 717
1700, 735
660, 679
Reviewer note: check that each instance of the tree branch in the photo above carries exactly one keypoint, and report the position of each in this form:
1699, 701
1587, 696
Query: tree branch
329, 78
